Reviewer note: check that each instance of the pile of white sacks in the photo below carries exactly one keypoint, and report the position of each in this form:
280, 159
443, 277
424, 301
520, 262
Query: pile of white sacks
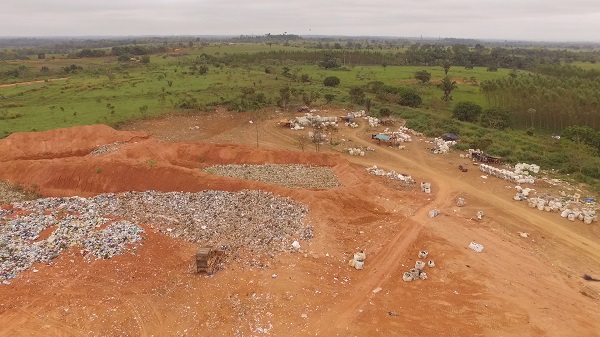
567, 208
374, 170
299, 123
356, 152
402, 135
442, 146
507, 174
373, 121
525, 169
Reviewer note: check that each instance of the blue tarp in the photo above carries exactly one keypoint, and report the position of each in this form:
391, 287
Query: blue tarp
382, 137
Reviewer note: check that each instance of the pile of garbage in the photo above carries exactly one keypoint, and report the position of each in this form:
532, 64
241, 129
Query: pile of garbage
106, 148
358, 261
525, 169
255, 220
21, 246
507, 174
569, 207
374, 170
442, 146
355, 152
417, 272
401, 135
286, 175
299, 123
373, 121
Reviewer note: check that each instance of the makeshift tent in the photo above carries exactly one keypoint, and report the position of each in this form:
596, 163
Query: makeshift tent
450, 137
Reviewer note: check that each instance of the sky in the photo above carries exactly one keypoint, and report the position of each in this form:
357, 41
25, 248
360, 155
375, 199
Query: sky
536, 20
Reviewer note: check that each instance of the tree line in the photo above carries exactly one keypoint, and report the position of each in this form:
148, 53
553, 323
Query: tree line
566, 96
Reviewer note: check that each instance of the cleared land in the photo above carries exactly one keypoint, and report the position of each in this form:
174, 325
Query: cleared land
515, 287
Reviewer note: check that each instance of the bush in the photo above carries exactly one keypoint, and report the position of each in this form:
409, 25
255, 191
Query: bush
466, 111
423, 75
410, 99
385, 112
496, 118
331, 81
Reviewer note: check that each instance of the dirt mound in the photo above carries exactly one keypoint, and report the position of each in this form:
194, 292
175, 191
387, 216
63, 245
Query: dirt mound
60, 143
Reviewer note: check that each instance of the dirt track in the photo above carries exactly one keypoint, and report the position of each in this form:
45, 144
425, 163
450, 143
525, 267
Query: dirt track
516, 287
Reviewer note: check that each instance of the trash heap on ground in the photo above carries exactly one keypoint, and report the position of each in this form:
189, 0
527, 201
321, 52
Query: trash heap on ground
396, 137
286, 175
358, 260
254, 220
442, 146
374, 170
106, 148
310, 120
570, 207
355, 151
417, 272
508, 175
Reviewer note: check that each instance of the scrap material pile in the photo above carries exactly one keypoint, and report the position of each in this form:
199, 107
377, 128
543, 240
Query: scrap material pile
374, 170
507, 174
402, 135
256, 220
355, 151
286, 175
107, 148
569, 208
310, 120
417, 272
442, 146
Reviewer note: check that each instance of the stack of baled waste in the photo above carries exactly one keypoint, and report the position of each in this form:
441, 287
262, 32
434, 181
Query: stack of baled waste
567, 208
442, 146
356, 152
526, 169
373, 121
506, 174
374, 170
309, 119
403, 134
417, 272
523, 193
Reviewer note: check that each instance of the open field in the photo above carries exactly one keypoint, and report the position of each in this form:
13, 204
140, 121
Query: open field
516, 287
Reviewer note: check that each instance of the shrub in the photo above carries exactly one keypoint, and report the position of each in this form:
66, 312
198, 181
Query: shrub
496, 118
466, 111
331, 81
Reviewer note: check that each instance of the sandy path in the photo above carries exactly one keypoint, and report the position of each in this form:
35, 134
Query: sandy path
32, 82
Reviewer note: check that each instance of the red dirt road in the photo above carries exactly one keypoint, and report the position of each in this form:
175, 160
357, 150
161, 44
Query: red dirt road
515, 287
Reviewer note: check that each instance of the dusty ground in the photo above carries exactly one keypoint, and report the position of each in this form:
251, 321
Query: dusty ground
515, 287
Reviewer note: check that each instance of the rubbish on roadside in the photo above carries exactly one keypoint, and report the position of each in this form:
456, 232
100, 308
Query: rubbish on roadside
523, 234
358, 261
479, 215
426, 187
431, 264
296, 245
392, 313
376, 290
460, 202
433, 213
407, 277
423, 254
420, 265
423, 276
476, 247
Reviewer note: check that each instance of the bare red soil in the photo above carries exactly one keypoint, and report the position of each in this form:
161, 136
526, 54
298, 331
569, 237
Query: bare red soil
515, 287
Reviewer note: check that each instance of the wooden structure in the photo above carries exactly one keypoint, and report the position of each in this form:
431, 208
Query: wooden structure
206, 260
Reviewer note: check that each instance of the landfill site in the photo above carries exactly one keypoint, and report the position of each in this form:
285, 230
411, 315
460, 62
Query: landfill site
223, 225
